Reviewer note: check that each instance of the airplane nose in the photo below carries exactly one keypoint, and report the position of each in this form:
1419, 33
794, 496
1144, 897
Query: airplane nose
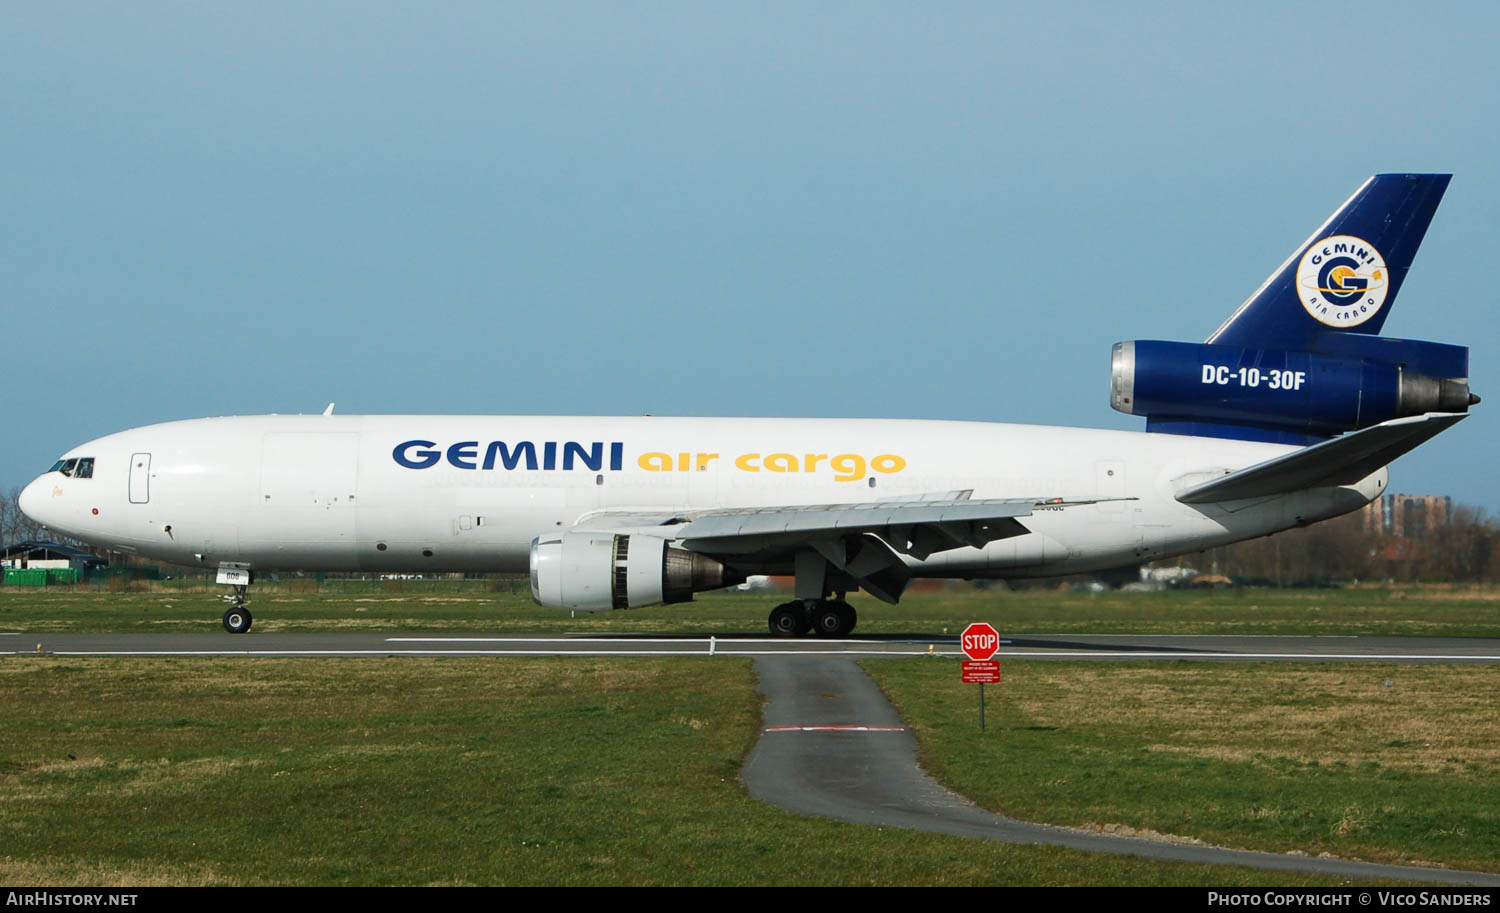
32, 498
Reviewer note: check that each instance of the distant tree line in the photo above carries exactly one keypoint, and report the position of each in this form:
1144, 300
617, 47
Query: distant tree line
14, 525
1465, 549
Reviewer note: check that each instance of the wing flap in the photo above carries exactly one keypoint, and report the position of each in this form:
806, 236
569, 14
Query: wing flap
1340, 461
846, 518
918, 526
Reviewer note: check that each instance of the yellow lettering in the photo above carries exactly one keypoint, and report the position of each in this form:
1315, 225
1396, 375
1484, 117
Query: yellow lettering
849, 466
655, 461
780, 462
683, 463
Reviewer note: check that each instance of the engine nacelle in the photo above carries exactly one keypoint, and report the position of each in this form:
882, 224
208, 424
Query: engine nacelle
593, 571
1300, 391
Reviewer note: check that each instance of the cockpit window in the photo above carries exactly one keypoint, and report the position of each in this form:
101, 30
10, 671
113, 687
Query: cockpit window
78, 467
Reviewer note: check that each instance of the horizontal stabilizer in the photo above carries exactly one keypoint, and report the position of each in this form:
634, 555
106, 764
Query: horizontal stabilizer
1341, 461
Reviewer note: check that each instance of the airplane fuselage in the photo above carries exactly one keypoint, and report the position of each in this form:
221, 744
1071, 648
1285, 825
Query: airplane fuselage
427, 494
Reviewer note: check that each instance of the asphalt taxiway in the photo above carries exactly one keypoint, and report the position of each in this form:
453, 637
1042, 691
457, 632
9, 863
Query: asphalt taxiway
1104, 647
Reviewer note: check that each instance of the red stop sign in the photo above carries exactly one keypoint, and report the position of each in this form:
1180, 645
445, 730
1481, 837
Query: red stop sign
980, 641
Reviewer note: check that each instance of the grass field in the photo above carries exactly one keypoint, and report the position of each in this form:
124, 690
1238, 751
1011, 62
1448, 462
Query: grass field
594, 771
440, 771
1388, 763
505, 605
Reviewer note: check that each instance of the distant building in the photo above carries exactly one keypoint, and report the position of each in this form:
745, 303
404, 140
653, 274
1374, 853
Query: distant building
36, 555
1408, 516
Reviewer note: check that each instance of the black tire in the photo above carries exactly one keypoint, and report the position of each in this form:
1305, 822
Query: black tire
237, 620
789, 620
833, 619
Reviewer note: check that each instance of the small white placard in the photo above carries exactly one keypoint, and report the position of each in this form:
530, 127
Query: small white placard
234, 576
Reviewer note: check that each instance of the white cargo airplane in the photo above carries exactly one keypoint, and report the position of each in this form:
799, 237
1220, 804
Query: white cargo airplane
1288, 415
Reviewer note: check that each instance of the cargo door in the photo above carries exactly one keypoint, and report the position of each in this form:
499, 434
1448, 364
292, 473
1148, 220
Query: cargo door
307, 492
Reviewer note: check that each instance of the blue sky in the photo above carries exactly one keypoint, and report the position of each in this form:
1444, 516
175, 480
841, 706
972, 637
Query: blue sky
830, 209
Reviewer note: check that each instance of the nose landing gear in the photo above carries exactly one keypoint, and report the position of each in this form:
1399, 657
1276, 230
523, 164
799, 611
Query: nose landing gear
237, 618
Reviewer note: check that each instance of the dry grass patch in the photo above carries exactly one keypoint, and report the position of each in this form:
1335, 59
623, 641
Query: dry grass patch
73, 873
1390, 763
1417, 718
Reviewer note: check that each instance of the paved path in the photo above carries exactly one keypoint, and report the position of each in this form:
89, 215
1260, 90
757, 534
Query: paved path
833, 746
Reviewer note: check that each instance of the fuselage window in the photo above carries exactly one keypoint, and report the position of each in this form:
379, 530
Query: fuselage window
67, 467
85, 468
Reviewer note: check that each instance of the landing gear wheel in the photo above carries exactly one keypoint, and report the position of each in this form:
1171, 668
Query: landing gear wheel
789, 620
237, 620
833, 618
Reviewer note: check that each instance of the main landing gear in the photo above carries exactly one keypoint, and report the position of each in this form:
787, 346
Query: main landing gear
823, 617
237, 618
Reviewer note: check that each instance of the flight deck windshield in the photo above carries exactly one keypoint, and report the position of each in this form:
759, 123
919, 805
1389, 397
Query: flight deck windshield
78, 467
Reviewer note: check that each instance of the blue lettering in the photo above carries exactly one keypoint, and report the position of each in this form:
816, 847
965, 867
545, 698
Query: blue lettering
508, 458
463, 453
593, 458
420, 454
425, 458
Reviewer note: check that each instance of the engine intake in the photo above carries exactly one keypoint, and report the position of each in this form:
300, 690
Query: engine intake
594, 571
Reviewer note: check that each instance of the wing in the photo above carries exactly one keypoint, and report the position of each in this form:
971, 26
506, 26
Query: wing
864, 541
1340, 461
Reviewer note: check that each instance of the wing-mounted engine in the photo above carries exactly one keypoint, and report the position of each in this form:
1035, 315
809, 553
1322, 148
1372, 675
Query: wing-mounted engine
1349, 385
594, 571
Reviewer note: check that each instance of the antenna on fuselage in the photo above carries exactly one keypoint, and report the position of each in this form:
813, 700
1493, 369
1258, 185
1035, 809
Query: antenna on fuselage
329, 410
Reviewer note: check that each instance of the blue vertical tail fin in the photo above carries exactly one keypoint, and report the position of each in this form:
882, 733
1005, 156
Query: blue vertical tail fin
1302, 360
1344, 278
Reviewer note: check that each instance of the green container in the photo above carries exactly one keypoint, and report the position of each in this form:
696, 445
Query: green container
18, 577
56, 575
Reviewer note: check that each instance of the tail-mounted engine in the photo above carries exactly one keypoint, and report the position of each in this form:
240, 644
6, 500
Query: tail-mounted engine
1307, 392
593, 571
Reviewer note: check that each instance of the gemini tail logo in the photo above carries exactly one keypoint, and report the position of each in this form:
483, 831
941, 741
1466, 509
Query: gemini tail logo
1342, 281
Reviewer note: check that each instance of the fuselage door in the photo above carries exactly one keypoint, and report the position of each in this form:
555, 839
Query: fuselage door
140, 478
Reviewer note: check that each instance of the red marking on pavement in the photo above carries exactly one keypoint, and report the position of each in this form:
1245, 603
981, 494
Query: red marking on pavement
854, 728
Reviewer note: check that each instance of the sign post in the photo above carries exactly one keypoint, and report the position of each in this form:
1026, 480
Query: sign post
980, 642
